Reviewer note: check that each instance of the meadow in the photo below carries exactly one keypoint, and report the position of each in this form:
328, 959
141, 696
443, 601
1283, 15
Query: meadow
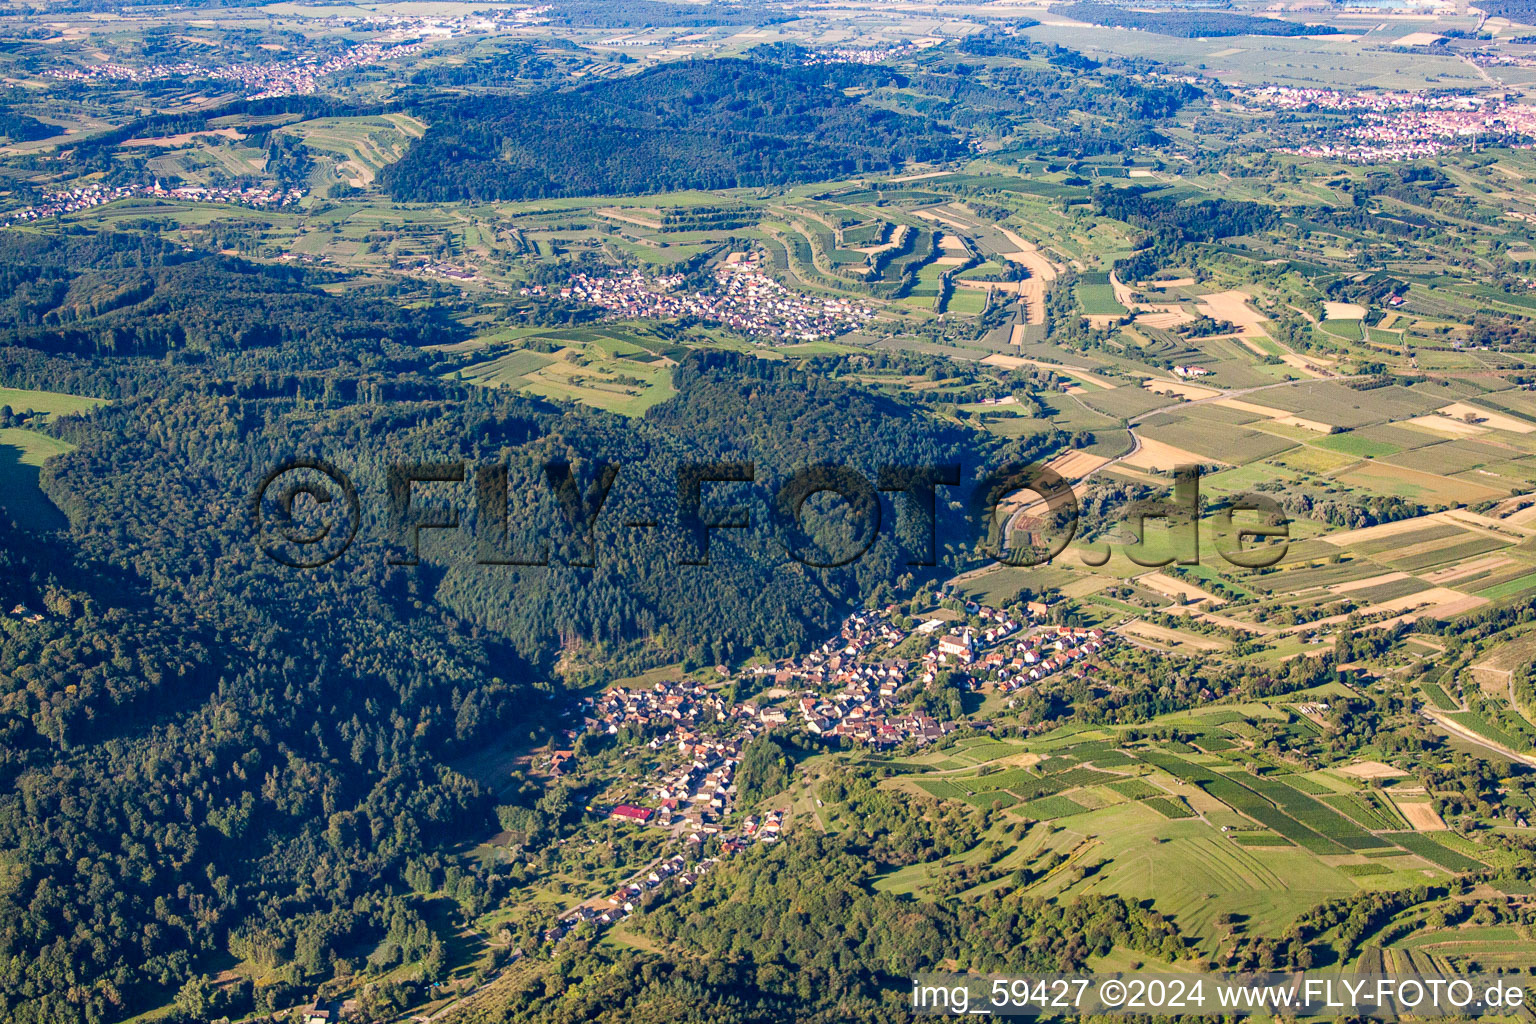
22, 454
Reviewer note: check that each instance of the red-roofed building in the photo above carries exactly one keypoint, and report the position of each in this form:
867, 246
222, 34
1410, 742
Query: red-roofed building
628, 812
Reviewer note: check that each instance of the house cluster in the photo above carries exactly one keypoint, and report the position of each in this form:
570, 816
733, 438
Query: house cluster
766, 829
1038, 656
1410, 134
665, 705
1404, 125
325, 1011
1501, 58
866, 54
866, 709
478, 22
673, 871
87, 196
452, 271
696, 793
1188, 372
870, 725
744, 299
299, 76
861, 633
1286, 97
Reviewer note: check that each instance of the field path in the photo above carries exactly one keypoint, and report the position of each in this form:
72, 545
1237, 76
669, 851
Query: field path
1463, 733
1238, 393
1042, 272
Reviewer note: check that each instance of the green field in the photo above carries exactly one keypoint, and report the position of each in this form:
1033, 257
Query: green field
53, 403
1475, 722
360, 146
606, 369
22, 453
1421, 844
1050, 807
1170, 807
1096, 296
1195, 873
1135, 789
1351, 443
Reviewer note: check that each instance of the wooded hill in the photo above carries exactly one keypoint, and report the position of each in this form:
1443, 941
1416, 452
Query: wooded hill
696, 124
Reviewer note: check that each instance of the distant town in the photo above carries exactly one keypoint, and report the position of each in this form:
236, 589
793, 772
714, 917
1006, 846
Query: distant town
299, 76
1396, 126
744, 299
87, 196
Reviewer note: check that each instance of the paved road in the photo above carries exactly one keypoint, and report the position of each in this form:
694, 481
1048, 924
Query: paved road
1463, 733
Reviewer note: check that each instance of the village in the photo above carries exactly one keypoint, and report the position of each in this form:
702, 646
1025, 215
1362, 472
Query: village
869, 710
261, 79
674, 871
1288, 97
867, 54
1397, 126
1410, 134
745, 299
851, 691
87, 196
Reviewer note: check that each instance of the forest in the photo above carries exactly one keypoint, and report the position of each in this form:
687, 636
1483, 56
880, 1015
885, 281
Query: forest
1170, 223
1189, 24
131, 294
696, 124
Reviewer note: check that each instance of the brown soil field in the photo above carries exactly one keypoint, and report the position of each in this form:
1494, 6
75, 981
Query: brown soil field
1370, 581
1372, 770
1159, 456
1232, 306
1171, 587
1421, 816
1385, 530
1172, 637
1178, 387
1493, 420
1457, 572
1446, 427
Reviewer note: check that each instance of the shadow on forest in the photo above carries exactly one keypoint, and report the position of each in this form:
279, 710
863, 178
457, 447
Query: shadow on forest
21, 498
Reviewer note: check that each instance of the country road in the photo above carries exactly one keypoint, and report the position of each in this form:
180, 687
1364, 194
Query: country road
1012, 523
1463, 733
1238, 393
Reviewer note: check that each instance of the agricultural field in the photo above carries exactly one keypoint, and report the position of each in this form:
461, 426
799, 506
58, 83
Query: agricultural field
48, 403
1096, 297
605, 369
1283, 833
357, 148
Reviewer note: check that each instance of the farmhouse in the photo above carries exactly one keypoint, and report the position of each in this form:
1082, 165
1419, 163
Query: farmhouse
629, 812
